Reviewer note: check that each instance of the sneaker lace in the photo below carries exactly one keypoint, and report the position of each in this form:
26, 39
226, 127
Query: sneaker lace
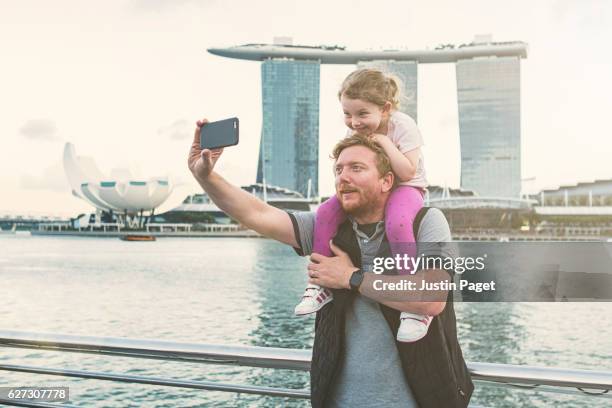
311, 291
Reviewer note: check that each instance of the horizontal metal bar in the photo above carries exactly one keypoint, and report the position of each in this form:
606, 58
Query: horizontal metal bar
269, 357
530, 375
282, 358
602, 394
136, 379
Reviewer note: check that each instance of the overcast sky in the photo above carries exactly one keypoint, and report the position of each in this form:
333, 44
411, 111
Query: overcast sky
126, 80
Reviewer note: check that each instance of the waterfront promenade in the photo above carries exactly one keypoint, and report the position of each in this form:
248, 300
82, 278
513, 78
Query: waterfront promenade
240, 292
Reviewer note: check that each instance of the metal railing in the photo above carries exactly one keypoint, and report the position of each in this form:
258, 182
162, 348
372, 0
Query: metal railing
593, 383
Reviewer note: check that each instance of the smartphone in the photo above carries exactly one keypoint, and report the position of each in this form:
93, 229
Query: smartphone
219, 134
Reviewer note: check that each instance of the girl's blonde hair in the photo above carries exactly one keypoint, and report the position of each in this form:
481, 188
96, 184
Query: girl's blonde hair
373, 86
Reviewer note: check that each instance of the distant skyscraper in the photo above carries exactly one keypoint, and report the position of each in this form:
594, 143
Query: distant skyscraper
289, 149
488, 82
407, 72
488, 94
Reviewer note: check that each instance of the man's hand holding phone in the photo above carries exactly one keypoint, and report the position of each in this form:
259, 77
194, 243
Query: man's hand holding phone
202, 161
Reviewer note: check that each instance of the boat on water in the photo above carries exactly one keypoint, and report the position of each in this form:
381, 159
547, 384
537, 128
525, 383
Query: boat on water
11, 231
137, 237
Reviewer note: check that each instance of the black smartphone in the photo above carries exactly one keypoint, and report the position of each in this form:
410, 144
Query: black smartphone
222, 133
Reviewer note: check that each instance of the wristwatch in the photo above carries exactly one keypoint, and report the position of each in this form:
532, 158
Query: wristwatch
356, 279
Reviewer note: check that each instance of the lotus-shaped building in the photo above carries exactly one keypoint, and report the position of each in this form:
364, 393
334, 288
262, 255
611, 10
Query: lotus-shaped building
120, 193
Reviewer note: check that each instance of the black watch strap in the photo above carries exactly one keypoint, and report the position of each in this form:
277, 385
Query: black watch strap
356, 280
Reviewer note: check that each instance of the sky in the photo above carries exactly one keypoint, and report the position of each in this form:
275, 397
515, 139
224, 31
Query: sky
125, 81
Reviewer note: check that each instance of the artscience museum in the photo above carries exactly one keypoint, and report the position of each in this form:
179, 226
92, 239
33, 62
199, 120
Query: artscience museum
120, 193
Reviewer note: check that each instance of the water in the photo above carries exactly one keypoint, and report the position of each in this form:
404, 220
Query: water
242, 292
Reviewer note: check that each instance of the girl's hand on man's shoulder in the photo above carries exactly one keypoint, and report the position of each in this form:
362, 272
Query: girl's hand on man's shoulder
378, 137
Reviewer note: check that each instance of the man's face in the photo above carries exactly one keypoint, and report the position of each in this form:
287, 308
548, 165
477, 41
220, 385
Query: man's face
359, 186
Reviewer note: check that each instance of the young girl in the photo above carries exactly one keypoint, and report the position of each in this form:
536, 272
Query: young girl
370, 100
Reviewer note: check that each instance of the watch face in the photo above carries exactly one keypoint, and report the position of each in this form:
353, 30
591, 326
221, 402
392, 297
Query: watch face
356, 279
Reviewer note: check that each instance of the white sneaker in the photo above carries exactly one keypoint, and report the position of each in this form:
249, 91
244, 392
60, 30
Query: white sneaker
315, 297
413, 327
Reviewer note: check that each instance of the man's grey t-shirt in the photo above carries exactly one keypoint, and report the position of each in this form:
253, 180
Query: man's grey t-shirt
371, 374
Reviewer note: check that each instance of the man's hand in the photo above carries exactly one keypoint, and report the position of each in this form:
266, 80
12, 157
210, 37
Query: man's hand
331, 272
201, 162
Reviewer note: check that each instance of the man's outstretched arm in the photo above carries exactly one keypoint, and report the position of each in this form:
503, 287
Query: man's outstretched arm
234, 201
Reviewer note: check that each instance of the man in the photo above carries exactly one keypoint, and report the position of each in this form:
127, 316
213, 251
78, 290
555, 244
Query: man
356, 361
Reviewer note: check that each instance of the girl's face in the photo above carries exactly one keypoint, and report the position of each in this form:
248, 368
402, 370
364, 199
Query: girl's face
363, 116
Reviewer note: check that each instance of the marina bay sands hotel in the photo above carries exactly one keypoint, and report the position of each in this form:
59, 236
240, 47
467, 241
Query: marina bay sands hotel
488, 95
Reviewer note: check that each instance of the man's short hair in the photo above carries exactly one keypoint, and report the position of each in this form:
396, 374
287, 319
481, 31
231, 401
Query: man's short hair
383, 164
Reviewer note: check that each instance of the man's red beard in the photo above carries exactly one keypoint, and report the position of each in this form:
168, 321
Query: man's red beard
358, 205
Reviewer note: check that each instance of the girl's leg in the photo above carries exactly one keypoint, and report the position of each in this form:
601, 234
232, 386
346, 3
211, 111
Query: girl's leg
402, 208
329, 217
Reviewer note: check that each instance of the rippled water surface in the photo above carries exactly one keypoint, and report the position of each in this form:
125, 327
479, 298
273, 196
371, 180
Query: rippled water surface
241, 292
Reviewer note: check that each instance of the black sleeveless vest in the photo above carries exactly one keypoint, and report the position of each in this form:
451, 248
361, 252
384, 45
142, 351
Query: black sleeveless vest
434, 367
